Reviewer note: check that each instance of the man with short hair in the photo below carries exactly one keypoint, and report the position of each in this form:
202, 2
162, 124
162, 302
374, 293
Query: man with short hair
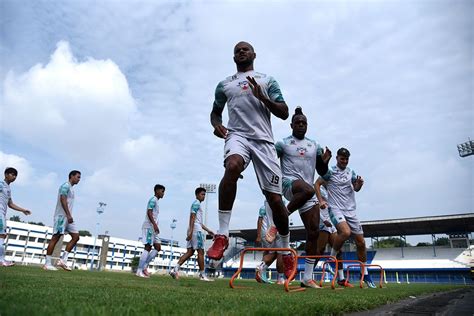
5, 203
268, 257
64, 222
251, 98
300, 157
195, 237
342, 182
150, 232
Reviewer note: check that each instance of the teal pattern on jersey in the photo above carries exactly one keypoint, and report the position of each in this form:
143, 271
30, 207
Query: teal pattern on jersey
195, 207
149, 236
1, 225
200, 240
151, 203
220, 97
274, 91
59, 225
64, 189
262, 212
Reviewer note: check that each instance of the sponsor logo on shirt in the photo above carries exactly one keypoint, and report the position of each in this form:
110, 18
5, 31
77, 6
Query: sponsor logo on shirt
244, 85
301, 150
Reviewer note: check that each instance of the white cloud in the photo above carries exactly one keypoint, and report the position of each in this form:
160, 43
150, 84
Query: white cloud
25, 171
74, 109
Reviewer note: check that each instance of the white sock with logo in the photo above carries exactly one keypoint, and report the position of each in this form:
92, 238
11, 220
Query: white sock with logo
224, 220
308, 269
2, 249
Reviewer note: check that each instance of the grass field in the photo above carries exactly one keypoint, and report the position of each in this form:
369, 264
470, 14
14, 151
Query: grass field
32, 291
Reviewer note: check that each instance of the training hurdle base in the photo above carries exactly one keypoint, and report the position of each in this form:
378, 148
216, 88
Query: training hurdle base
332, 259
287, 282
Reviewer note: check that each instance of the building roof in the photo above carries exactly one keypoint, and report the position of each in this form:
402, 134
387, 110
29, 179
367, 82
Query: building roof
427, 225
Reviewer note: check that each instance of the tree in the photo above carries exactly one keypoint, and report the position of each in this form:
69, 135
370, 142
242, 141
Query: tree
16, 218
134, 264
37, 223
392, 242
423, 244
443, 241
84, 233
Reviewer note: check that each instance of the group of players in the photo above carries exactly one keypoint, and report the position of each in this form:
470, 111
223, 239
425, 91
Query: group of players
286, 168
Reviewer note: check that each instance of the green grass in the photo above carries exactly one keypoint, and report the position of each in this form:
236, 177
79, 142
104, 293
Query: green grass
32, 291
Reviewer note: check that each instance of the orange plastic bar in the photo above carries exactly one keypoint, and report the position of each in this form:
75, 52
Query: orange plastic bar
381, 273
287, 282
333, 259
358, 263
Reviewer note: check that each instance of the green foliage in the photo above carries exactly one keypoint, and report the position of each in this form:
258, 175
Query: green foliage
443, 241
37, 223
84, 233
423, 244
16, 218
391, 242
32, 291
134, 264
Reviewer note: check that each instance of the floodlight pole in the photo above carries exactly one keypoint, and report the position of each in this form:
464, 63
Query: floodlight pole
210, 188
100, 210
172, 226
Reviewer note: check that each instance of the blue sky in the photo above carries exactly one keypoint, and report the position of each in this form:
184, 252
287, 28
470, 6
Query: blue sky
122, 91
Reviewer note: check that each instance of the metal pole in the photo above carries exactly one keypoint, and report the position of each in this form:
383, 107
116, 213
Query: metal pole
100, 210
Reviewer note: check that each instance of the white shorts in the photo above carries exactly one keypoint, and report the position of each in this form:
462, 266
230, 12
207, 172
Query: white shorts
337, 216
197, 241
3, 225
61, 226
264, 158
288, 194
149, 237
275, 244
324, 216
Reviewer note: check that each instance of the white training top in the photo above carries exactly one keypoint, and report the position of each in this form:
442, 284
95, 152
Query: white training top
5, 196
196, 209
339, 188
247, 115
263, 213
154, 206
298, 158
66, 190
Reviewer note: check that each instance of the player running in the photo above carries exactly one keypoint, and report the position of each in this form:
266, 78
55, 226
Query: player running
251, 98
195, 237
64, 222
5, 203
150, 232
342, 183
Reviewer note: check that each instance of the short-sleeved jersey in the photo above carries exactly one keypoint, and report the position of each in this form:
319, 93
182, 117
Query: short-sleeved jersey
196, 209
154, 206
65, 190
5, 196
298, 158
339, 188
262, 212
247, 115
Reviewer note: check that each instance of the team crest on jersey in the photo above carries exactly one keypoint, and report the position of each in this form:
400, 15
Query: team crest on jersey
292, 142
301, 150
244, 85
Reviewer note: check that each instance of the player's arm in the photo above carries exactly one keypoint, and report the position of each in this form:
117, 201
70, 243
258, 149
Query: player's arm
210, 232
149, 213
259, 230
15, 207
220, 100
317, 188
63, 201
322, 160
357, 182
192, 219
275, 102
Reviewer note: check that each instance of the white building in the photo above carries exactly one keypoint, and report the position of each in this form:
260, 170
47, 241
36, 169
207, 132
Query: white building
27, 243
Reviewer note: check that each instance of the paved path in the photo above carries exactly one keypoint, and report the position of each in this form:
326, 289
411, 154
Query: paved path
458, 303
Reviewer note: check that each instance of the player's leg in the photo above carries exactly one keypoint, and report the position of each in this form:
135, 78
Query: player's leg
236, 159
362, 256
280, 269
202, 273
261, 269
152, 255
3, 236
310, 220
343, 233
174, 272
62, 262
49, 252
302, 193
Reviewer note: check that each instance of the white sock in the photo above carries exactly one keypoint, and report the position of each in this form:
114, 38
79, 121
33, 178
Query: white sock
281, 276
333, 252
65, 255
142, 262
224, 220
48, 260
308, 269
202, 273
2, 249
263, 266
366, 271
176, 268
151, 256
340, 274
285, 243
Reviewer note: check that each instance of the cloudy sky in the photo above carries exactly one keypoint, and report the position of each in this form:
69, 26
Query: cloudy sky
122, 91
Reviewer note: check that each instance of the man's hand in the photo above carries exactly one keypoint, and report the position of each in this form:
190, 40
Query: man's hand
189, 237
359, 181
326, 155
327, 223
156, 229
256, 89
258, 240
70, 220
211, 233
26, 212
323, 204
220, 131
